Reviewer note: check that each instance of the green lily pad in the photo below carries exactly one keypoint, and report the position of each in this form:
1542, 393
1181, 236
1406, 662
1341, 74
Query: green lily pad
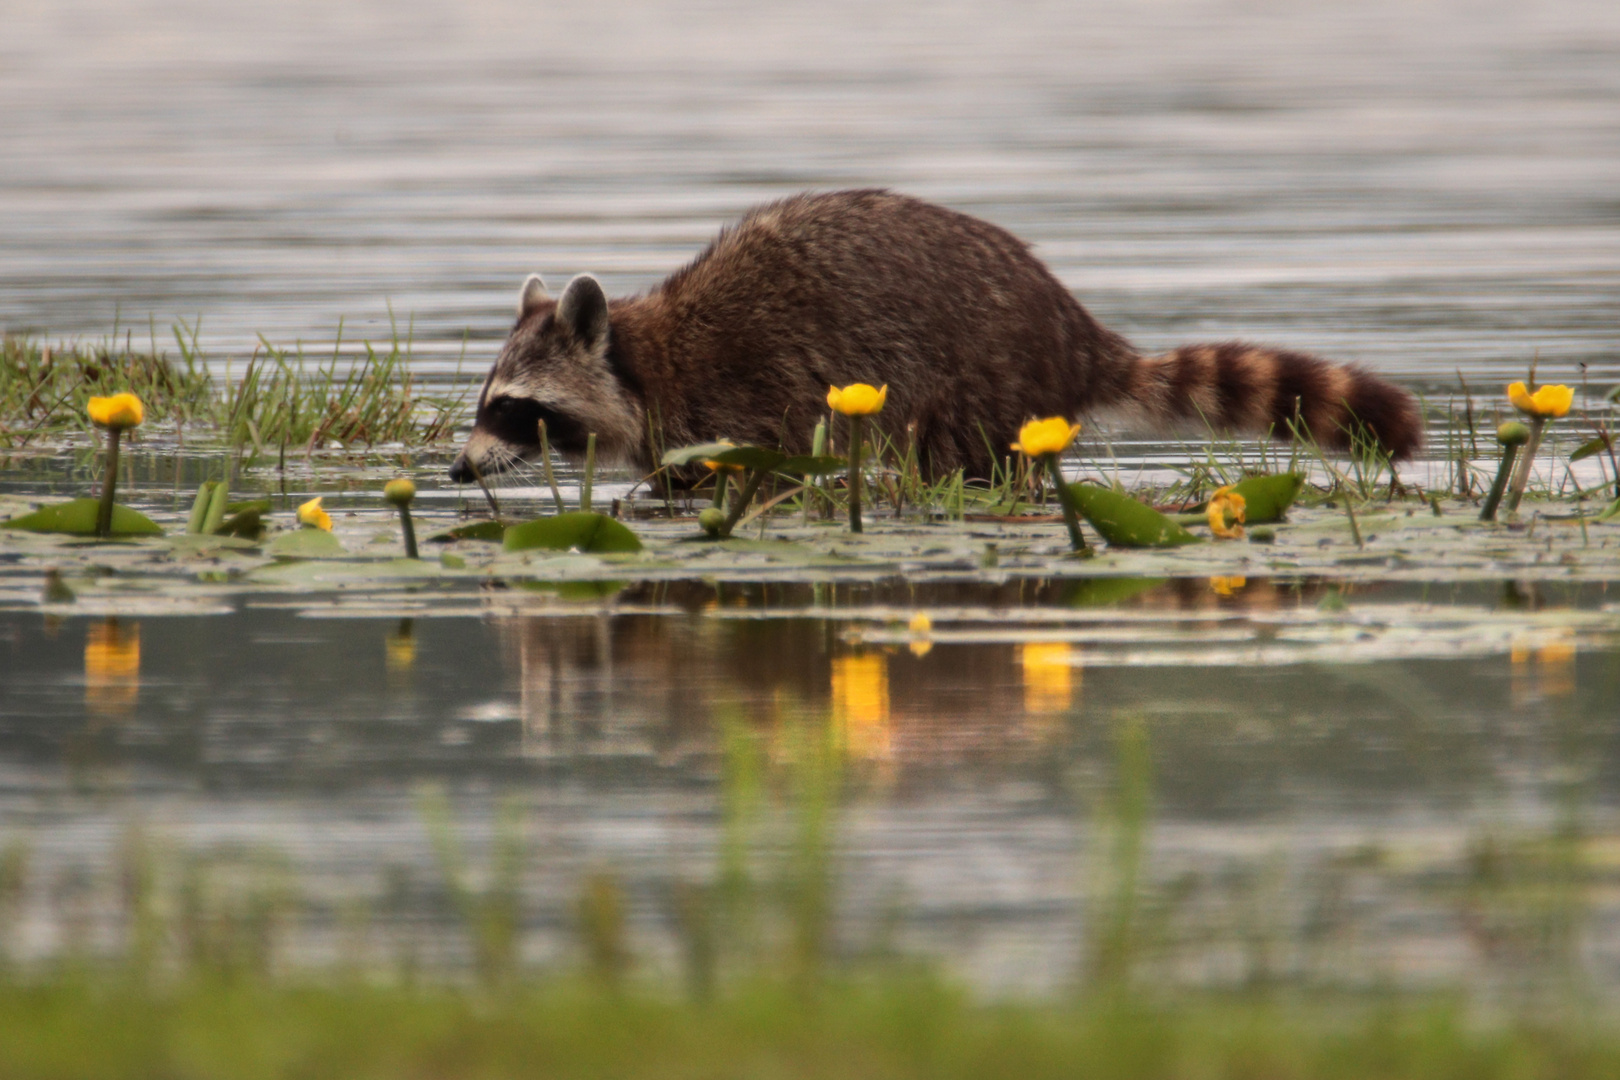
1598, 445
304, 543
195, 543
578, 530
246, 519
746, 457
78, 517
1266, 499
492, 531
1125, 522
813, 465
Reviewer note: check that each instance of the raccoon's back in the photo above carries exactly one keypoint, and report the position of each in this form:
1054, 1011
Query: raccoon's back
971, 333
966, 327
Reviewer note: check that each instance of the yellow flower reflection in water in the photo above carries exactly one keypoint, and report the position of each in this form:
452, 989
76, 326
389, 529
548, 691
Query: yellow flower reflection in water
921, 643
1049, 676
860, 703
112, 667
401, 645
1228, 586
1552, 656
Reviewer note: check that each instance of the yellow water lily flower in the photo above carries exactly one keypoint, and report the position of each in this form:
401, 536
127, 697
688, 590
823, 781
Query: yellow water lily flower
311, 516
1228, 586
857, 399
1226, 512
1050, 436
118, 411
1547, 401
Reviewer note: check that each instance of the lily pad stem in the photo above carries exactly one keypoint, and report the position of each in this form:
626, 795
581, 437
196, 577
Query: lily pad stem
855, 474
109, 485
1510, 454
1527, 458
1071, 518
590, 473
410, 532
545, 464
756, 477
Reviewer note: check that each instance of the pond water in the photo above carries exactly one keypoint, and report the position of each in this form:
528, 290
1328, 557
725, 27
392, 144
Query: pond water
1415, 187
1356, 766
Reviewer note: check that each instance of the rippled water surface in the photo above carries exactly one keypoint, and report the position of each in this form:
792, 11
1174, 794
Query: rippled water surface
1415, 186
1419, 187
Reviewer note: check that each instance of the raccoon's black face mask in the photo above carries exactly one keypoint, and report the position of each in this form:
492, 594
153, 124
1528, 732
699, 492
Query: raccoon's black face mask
554, 369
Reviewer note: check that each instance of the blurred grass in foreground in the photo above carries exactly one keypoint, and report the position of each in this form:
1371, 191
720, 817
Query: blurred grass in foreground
194, 982
891, 1027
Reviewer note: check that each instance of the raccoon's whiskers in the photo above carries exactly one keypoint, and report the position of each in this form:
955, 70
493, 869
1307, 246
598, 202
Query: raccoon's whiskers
494, 507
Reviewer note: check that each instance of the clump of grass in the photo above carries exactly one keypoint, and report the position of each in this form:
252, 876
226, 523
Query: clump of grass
281, 401
44, 390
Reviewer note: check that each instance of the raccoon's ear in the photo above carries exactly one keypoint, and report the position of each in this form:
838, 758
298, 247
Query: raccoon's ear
583, 308
534, 292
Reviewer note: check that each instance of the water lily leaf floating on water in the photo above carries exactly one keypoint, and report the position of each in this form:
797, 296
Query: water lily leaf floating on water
314, 540
304, 544
1126, 522
78, 518
1266, 499
98, 517
492, 531
577, 530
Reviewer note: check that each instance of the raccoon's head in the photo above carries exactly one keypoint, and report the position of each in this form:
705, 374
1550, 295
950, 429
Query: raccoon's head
558, 366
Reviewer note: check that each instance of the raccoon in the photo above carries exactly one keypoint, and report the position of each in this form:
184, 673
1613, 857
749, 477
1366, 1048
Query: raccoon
971, 333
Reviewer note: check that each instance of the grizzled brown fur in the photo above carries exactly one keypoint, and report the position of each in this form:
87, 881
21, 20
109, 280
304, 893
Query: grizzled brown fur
971, 333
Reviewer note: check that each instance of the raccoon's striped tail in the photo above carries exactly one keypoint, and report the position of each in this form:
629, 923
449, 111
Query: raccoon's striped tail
1254, 389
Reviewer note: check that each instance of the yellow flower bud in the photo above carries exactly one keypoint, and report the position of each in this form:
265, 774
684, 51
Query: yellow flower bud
311, 516
118, 411
1049, 436
399, 492
857, 399
1547, 401
1226, 512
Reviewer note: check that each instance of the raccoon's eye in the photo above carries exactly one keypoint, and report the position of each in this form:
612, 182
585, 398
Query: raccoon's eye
517, 421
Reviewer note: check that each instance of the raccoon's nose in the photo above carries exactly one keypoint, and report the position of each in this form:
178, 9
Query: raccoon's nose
460, 471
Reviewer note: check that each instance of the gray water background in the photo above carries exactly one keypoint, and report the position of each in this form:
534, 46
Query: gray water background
1416, 186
